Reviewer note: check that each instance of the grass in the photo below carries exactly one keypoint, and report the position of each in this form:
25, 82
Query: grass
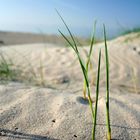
91, 69
89, 59
97, 95
134, 30
41, 73
107, 89
84, 68
6, 71
13, 72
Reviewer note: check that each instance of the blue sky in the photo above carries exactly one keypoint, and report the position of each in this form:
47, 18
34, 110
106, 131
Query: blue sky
36, 15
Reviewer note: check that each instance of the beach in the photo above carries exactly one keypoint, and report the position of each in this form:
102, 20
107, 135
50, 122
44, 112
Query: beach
44, 101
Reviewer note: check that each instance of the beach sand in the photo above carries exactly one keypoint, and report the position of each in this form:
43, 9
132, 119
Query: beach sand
52, 107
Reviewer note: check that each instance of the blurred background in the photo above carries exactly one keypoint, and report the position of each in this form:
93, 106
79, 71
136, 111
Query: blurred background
39, 17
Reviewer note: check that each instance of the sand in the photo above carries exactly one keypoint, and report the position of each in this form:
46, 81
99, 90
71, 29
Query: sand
56, 110
14, 38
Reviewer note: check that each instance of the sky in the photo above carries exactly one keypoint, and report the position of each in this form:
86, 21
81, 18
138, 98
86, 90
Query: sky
40, 15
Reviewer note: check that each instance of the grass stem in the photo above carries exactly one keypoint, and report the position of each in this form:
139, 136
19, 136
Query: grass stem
89, 58
107, 89
97, 95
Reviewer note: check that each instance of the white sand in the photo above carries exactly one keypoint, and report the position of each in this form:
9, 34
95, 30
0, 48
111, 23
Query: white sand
57, 111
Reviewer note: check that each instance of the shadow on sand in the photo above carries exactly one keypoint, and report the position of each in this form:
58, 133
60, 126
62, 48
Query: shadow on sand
121, 127
20, 135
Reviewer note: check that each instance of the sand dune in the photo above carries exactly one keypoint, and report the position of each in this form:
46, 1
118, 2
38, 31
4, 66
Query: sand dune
56, 110
14, 38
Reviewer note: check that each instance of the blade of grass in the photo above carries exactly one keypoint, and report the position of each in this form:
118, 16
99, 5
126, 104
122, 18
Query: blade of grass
89, 57
92, 75
75, 48
68, 30
107, 88
79, 58
83, 71
67, 40
97, 95
41, 71
91, 44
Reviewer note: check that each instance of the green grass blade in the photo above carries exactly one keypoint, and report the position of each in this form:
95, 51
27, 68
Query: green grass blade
88, 57
107, 61
79, 58
67, 40
91, 45
97, 95
78, 55
107, 88
92, 39
68, 30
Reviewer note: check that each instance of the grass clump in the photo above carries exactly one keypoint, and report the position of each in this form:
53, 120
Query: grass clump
6, 71
84, 68
10, 71
133, 30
